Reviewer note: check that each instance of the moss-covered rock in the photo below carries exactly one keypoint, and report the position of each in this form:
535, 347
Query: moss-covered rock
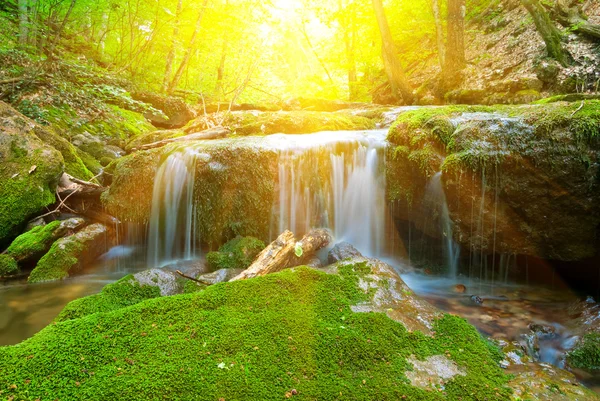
125, 292
29, 171
233, 196
239, 253
72, 253
506, 155
285, 122
586, 354
154, 136
8, 266
176, 110
293, 333
34, 243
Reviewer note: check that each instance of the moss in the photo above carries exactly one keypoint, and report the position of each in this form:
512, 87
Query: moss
130, 195
34, 242
8, 266
123, 293
248, 340
287, 122
239, 253
90, 162
55, 265
586, 354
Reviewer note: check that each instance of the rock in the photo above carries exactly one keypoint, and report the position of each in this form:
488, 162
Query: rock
460, 288
176, 110
8, 266
314, 262
154, 136
476, 300
341, 251
71, 254
35, 223
33, 244
542, 330
432, 372
24, 190
547, 71
167, 282
219, 276
239, 253
96, 147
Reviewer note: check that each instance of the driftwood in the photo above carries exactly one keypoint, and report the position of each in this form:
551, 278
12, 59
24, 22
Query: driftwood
211, 133
69, 185
283, 253
192, 279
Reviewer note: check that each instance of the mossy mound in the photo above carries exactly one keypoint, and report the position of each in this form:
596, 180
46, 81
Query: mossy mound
288, 334
8, 266
123, 293
586, 354
285, 122
29, 171
37, 241
503, 158
70, 254
239, 253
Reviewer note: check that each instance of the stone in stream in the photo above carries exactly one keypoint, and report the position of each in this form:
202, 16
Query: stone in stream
72, 253
167, 282
33, 244
219, 276
341, 251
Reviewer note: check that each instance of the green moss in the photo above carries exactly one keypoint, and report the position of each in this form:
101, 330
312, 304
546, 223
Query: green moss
239, 253
90, 162
55, 265
287, 122
586, 354
34, 242
248, 340
8, 266
123, 293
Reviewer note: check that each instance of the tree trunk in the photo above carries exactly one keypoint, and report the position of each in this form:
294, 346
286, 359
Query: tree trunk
548, 31
321, 62
60, 29
454, 56
349, 26
188, 53
23, 22
281, 253
570, 17
439, 31
171, 54
219, 89
393, 67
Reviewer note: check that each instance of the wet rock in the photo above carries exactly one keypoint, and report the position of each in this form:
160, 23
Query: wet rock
542, 330
8, 266
341, 251
476, 300
219, 276
29, 171
33, 244
315, 263
168, 283
71, 254
460, 288
547, 71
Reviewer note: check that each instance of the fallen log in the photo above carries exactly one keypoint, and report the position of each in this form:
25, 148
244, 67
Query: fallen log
211, 133
285, 252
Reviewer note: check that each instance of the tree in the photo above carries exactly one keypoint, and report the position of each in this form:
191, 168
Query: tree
348, 24
23, 22
439, 31
393, 67
547, 30
454, 55
171, 54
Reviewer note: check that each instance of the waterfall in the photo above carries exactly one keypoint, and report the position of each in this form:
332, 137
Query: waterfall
435, 201
335, 182
171, 231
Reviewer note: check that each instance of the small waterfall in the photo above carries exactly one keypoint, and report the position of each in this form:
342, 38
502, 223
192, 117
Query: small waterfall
435, 201
335, 182
171, 231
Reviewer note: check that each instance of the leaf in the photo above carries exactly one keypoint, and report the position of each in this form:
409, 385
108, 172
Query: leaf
298, 249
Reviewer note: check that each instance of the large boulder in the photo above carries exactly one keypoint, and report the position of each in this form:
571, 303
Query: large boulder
518, 180
341, 251
176, 110
71, 254
29, 171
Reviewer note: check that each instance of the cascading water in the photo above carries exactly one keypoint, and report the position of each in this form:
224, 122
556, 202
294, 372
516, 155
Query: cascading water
173, 210
334, 180
435, 200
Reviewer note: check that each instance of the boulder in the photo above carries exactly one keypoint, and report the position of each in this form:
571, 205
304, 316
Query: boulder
219, 276
29, 171
71, 254
33, 244
167, 282
177, 111
8, 266
341, 251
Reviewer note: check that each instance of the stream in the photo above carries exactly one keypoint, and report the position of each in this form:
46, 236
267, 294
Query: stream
329, 179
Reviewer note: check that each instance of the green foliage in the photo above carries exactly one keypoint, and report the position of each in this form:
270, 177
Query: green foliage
586, 354
8, 265
247, 340
239, 253
123, 293
33, 242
